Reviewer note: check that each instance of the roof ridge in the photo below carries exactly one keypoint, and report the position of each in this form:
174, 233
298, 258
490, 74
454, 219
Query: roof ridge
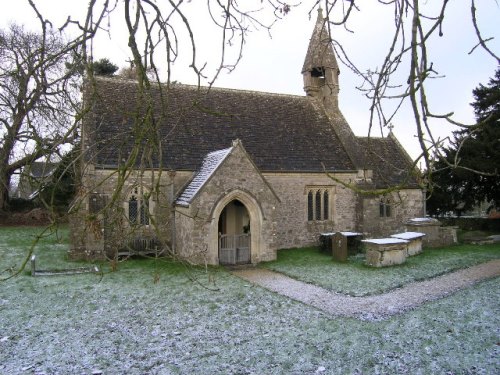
209, 88
372, 137
216, 152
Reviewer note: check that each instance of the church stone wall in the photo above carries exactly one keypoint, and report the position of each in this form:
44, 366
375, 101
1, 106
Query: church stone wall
277, 200
189, 237
405, 204
293, 228
99, 227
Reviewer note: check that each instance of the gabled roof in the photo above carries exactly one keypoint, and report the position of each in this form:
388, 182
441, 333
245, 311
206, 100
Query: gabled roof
281, 133
390, 163
210, 164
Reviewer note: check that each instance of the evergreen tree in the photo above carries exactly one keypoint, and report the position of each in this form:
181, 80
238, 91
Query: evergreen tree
104, 67
469, 173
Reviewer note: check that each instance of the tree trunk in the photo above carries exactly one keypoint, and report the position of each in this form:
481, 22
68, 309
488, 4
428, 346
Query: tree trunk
4, 189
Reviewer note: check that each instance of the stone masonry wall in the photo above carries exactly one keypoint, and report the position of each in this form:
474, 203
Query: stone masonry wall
284, 223
293, 228
185, 235
405, 205
97, 232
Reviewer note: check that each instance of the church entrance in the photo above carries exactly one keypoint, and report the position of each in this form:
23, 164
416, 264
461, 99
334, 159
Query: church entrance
234, 234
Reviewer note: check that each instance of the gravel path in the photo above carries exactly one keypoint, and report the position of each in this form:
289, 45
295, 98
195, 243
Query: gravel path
376, 307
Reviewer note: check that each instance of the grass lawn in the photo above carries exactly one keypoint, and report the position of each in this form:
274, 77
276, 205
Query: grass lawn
159, 317
356, 279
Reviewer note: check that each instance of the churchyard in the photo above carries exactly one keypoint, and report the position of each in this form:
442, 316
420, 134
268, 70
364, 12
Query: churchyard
156, 316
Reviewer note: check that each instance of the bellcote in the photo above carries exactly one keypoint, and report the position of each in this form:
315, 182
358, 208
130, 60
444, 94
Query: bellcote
320, 71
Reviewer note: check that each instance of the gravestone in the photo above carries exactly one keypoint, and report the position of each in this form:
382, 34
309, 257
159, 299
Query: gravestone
339, 247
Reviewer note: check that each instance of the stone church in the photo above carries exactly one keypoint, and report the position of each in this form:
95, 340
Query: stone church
221, 176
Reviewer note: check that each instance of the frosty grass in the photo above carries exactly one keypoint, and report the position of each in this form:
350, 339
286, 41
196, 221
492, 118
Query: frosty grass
125, 323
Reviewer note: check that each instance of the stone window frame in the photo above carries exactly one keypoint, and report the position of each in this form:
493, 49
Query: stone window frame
319, 203
144, 200
96, 203
385, 206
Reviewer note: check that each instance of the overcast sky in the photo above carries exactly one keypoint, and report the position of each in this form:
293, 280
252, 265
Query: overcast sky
274, 64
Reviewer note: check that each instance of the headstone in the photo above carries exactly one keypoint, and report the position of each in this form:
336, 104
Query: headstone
339, 247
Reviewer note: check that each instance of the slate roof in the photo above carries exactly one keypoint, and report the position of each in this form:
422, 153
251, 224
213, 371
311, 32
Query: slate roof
281, 133
210, 164
390, 163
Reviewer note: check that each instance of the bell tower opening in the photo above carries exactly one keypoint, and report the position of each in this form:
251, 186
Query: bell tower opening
320, 70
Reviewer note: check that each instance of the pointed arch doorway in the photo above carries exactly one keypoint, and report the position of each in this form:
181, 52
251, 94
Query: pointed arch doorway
234, 234
251, 213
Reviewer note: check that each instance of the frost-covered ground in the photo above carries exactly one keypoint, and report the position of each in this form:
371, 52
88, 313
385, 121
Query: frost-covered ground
356, 279
125, 323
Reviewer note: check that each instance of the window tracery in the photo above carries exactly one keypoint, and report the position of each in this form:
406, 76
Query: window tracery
385, 207
318, 203
138, 207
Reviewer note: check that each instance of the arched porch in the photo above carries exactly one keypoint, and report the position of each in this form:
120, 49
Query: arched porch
236, 226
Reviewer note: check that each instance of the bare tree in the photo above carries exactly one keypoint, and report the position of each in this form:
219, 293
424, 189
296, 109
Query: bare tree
407, 69
40, 103
38, 99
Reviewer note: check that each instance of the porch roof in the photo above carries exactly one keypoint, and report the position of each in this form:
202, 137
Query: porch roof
210, 164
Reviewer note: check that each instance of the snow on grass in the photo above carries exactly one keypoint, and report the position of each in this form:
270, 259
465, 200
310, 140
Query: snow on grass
124, 322
356, 279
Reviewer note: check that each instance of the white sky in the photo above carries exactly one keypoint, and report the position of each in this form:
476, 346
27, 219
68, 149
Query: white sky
274, 64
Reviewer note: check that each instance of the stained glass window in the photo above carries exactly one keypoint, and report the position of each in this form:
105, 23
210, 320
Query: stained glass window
385, 207
318, 205
144, 211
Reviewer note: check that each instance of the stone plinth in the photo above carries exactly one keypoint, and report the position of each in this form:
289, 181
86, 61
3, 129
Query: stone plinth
414, 239
448, 235
383, 252
435, 234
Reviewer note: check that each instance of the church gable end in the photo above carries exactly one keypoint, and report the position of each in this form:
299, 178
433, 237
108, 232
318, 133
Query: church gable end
236, 179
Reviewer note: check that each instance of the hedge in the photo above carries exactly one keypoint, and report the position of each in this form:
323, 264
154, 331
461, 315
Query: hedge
472, 223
